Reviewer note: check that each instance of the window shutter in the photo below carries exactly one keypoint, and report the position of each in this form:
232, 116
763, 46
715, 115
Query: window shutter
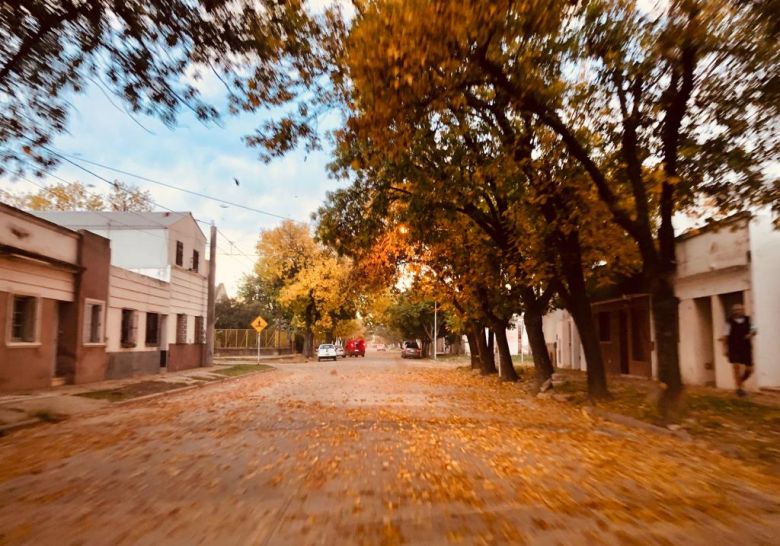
85, 338
133, 328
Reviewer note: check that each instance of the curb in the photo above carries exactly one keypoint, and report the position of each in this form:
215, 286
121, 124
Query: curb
28, 423
19, 425
188, 388
636, 423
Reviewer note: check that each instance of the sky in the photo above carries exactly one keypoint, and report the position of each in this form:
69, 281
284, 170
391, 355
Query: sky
201, 158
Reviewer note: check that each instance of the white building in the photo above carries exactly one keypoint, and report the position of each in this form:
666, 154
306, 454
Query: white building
158, 288
516, 336
736, 260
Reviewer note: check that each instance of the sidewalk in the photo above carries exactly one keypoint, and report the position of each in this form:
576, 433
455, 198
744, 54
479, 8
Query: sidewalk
58, 403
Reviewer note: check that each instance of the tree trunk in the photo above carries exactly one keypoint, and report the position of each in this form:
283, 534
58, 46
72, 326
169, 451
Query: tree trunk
308, 342
666, 322
473, 349
578, 304
426, 345
487, 362
505, 363
491, 345
532, 318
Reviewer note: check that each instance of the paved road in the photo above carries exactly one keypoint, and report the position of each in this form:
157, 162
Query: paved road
373, 451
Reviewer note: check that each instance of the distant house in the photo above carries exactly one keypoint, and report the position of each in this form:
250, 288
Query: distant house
158, 288
516, 337
220, 294
736, 260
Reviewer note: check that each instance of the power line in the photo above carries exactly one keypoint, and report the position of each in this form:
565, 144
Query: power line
171, 186
234, 245
116, 186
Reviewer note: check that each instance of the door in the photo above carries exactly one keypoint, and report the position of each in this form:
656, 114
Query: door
64, 334
623, 340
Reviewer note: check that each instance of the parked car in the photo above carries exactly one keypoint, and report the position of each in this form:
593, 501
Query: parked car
411, 349
380, 347
326, 351
355, 347
340, 351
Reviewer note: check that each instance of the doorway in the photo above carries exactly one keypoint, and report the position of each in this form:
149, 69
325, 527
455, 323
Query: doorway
705, 339
64, 333
623, 340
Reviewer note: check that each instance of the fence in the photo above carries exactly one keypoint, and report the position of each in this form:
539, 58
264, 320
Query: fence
238, 342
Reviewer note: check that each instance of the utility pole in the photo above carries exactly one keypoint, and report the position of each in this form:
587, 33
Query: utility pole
208, 359
435, 327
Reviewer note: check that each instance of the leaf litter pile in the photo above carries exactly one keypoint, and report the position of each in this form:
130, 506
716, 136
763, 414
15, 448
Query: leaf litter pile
379, 455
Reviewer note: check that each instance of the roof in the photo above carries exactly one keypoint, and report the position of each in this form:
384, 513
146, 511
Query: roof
715, 225
111, 219
8, 209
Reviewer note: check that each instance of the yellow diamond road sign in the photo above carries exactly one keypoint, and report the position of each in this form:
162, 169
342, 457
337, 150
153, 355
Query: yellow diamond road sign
259, 324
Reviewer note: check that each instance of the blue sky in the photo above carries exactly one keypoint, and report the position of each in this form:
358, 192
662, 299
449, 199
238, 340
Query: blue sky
197, 157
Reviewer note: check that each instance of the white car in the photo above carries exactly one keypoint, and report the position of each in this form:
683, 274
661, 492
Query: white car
340, 351
326, 351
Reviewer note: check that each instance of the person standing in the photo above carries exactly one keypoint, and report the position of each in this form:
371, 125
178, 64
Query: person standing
737, 345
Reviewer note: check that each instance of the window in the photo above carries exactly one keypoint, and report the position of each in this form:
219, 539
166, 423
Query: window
181, 328
93, 322
604, 326
152, 329
179, 253
195, 260
127, 337
199, 334
24, 319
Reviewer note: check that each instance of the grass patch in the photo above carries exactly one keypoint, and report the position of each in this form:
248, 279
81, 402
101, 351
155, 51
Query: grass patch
742, 427
132, 391
526, 360
241, 369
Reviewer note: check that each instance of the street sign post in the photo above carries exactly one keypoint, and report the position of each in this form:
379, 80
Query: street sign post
259, 325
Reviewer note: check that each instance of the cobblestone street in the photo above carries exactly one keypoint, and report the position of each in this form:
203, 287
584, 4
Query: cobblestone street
370, 451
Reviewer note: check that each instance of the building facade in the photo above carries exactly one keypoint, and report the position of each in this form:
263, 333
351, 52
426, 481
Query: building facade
53, 293
736, 260
87, 296
158, 288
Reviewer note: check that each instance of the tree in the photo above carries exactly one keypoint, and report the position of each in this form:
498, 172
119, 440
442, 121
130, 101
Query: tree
308, 281
235, 313
127, 197
657, 108
411, 314
145, 52
77, 196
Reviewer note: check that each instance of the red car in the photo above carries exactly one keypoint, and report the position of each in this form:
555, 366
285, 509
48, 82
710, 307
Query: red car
355, 347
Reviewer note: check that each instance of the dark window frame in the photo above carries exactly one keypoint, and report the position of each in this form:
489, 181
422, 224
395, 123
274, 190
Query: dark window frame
155, 340
179, 253
181, 328
200, 334
94, 329
195, 260
26, 331
128, 328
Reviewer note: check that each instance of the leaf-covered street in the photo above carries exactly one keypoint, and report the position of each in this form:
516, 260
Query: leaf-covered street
371, 451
